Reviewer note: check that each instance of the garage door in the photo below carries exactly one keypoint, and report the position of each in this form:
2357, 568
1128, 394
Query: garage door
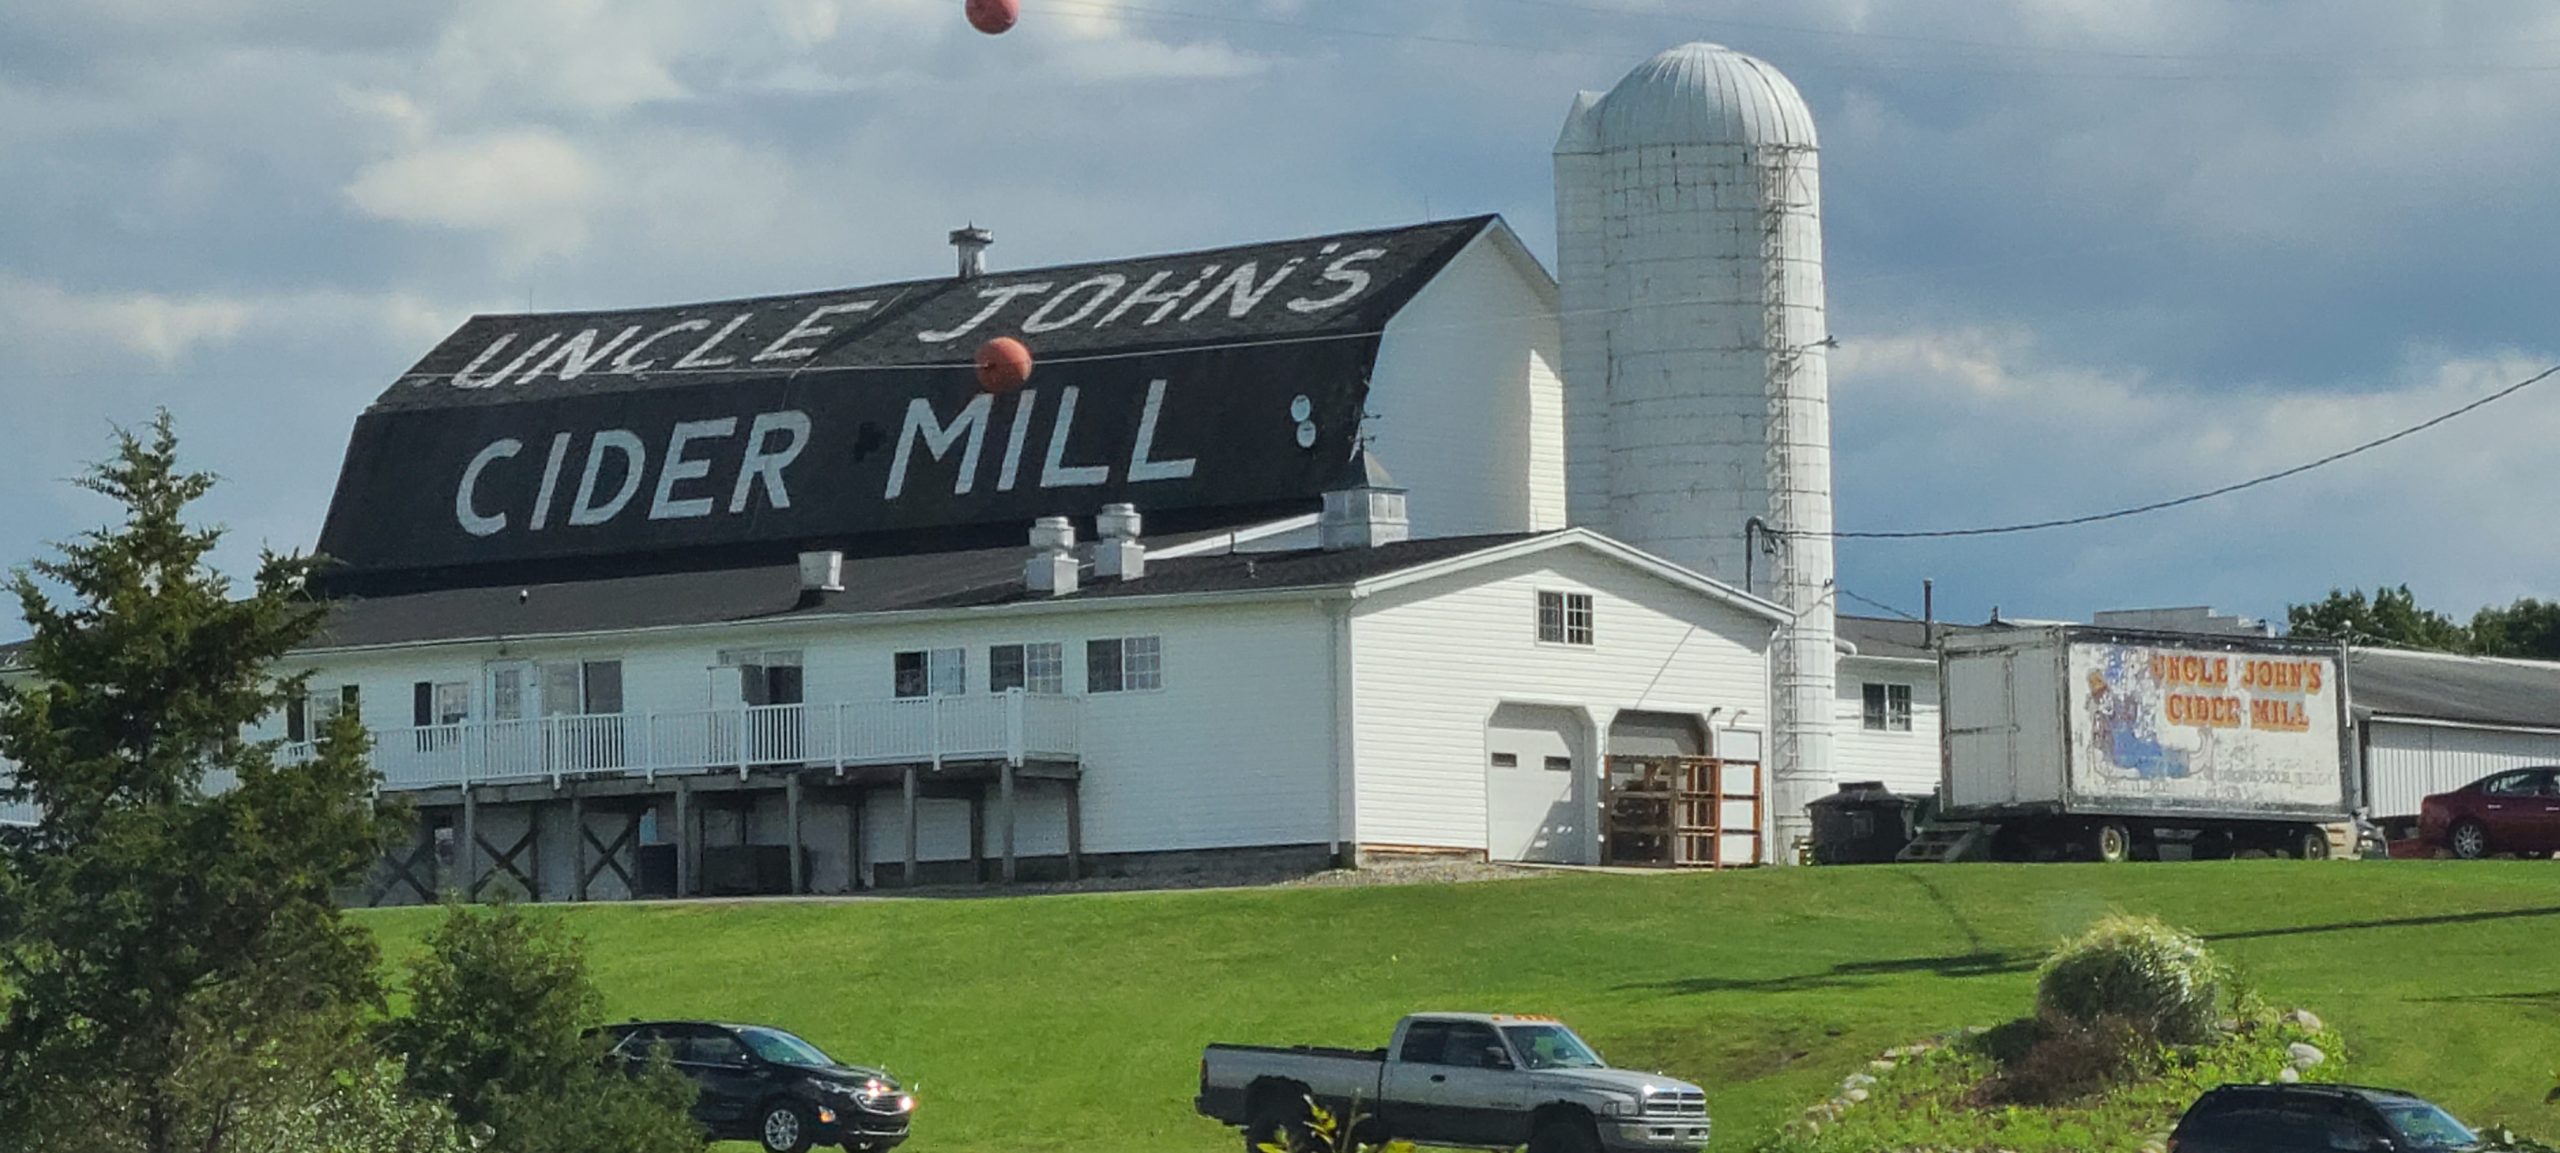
1533, 806
2407, 762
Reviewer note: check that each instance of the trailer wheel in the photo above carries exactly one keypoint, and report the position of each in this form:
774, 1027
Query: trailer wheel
2113, 843
2214, 845
2313, 844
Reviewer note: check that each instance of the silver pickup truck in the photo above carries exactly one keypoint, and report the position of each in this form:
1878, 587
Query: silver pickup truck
1471, 1080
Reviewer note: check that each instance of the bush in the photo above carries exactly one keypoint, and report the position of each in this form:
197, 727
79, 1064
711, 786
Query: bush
500, 1006
2069, 1060
2139, 971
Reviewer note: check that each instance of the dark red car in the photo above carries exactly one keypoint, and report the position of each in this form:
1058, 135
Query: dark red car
2517, 811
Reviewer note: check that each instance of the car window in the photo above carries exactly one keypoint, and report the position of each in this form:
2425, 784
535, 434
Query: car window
2423, 1126
1551, 1047
2233, 1120
2514, 785
710, 1047
1474, 1046
637, 1042
1424, 1041
784, 1049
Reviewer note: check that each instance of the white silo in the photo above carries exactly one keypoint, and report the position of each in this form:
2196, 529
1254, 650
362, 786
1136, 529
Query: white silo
1697, 402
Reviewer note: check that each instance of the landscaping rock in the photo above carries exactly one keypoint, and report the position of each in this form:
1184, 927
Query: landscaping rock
2289, 1075
1881, 1066
1856, 1096
1857, 1081
2305, 1056
2305, 1018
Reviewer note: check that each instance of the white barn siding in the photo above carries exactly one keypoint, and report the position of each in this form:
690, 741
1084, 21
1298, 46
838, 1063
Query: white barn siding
2406, 762
1234, 751
1906, 762
1434, 660
1468, 400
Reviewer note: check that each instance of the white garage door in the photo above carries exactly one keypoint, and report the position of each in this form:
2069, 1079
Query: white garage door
1533, 803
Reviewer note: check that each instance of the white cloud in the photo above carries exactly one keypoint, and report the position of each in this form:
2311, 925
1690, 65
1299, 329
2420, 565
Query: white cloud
159, 328
1958, 428
534, 187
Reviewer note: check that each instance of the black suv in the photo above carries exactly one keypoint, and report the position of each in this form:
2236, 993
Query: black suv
2317, 1119
767, 1086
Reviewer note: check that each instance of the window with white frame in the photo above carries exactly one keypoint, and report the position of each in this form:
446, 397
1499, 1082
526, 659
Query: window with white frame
1033, 668
307, 717
1887, 708
1124, 664
1564, 618
767, 676
437, 709
932, 673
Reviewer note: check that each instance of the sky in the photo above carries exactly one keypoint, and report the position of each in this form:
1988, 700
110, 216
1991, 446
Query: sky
2082, 253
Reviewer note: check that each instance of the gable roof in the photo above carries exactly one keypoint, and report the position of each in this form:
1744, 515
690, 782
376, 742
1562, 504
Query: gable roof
1206, 386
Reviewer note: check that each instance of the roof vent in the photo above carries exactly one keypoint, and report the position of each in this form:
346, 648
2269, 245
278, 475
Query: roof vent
972, 243
1119, 556
822, 572
1053, 562
1367, 513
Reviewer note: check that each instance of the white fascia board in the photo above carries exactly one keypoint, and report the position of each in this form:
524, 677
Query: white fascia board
910, 616
1585, 539
2440, 723
1870, 659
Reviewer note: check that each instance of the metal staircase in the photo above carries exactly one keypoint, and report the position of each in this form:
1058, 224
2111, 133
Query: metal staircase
1946, 842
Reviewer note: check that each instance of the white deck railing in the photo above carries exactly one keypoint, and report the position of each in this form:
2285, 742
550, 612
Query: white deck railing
1012, 726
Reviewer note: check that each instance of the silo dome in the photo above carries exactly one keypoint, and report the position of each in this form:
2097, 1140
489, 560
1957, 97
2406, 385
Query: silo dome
1704, 94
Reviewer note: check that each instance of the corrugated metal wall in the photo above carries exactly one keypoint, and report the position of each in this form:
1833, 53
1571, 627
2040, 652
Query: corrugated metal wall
2406, 762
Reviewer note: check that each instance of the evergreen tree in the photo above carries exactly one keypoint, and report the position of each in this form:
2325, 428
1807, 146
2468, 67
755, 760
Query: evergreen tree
2527, 628
159, 939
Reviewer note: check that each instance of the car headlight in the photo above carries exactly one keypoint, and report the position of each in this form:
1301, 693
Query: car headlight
1621, 1107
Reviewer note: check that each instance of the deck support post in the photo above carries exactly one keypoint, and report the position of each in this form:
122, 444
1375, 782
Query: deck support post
470, 863
578, 845
1006, 803
791, 825
978, 835
853, 842
684, 837
910, 816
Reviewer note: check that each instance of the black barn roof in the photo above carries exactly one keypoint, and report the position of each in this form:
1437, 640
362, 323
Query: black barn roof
1208, 385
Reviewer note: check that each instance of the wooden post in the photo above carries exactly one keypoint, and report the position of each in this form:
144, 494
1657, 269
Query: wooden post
1006, 800
978, 836
470, 842
684, 837
578, 847
791, 825
910, 877
1075, 829
853, 842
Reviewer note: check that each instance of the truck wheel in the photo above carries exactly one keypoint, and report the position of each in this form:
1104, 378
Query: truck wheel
1276, 1122
2114, 843
1565, 1136
2313, 844
2468, 840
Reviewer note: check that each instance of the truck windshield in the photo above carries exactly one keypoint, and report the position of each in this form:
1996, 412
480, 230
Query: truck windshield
1551, 1047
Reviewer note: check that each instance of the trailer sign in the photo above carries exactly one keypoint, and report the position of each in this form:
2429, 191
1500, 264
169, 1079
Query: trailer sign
2185, 726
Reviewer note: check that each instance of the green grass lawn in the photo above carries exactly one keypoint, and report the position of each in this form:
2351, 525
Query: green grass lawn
1075, 1022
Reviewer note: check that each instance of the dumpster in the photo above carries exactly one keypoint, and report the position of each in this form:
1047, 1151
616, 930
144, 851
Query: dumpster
1864, 823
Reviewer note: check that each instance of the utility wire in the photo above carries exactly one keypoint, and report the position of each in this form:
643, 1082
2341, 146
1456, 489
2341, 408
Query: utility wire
1873, 603
2209, 494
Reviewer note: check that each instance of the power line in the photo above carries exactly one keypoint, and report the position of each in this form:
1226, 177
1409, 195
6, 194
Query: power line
2209, 494
1872, 603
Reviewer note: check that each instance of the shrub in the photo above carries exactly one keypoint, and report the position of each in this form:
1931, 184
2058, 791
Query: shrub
2070, 1060
2138, 971
500, 1005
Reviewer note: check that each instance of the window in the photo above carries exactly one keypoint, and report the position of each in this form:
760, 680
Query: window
1506, 760
435, 709
307, 717
933, 673
1559, 764
1888, 708
1124, 665
1424, 1041
1564, 618
769, 677
1033, 668
1464, 1044
600, 688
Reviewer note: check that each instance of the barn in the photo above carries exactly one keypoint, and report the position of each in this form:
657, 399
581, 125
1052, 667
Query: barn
775, 596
